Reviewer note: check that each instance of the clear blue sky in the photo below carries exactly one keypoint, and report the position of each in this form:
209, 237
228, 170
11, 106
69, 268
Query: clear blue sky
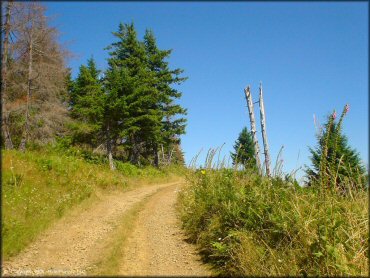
311, 57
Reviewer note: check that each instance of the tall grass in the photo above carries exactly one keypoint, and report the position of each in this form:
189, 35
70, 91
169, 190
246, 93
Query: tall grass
246, 224
40, 186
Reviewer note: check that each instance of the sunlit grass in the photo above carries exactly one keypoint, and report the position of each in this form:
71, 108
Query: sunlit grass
40, 186
250, 225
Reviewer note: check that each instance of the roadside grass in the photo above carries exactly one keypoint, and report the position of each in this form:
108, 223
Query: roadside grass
39, 186
248, 225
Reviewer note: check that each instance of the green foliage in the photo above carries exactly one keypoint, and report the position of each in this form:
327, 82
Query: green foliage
172, 120
334, 163
248, 225
88, 105
131, 109
142, 122
244, 150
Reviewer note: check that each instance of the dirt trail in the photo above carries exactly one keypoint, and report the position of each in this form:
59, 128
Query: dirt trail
157, 246
74, 244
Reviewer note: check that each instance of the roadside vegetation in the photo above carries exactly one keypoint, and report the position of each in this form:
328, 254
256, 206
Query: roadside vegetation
39, 186
248, 224
245, 224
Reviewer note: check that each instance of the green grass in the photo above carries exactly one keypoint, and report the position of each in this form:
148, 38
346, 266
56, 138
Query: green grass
38, 187
248, 225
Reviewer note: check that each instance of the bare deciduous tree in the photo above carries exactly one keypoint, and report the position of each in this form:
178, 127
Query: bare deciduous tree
4, 62
35, 78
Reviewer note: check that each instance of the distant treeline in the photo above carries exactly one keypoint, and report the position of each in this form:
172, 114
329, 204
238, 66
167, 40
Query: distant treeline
128, 111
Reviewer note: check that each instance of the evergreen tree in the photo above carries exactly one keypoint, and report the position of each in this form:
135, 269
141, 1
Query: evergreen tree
178, 155
128, 55
147, 92
116, 113
244, 150
334, 157
99, 107
133, 104
172, 122
87, 103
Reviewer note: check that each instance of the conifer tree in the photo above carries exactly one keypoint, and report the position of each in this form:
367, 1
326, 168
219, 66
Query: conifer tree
87, 102
133, 104
244, 150
116, 117
99, 106
342, 161
172, 122
142, 122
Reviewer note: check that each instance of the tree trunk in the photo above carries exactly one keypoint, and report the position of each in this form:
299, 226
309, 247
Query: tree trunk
24, 140
134, 155
170, 156
156, 156
110, 156
264, 134
163, 159
248, 96
4, 61
109, 151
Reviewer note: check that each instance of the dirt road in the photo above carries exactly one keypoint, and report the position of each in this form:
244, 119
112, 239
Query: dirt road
75, 243
157, 246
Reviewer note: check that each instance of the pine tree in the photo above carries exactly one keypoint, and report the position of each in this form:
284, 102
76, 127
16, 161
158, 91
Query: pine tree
333, 160
132, 106
178, 155
172, 122
87, 102
116, 117
99, 106
142, 123
244, 150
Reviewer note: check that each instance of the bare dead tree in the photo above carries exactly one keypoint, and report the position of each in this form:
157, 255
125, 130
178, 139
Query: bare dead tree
248, 97
38, 77
4, 62
264, 134
30, 33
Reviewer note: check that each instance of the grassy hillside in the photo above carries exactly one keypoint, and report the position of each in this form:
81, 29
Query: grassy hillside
248, 225
40, 186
